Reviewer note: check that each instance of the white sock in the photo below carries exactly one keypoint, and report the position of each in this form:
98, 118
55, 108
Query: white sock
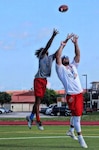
77, 125
72, 123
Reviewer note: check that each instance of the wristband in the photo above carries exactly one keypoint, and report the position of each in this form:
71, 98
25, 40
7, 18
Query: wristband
62, 44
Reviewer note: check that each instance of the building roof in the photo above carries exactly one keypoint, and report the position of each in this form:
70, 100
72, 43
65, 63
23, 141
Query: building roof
61, 91
27, 96
94, 82
23, 97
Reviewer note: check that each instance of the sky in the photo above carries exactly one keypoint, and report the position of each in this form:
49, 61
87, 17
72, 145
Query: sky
27, 25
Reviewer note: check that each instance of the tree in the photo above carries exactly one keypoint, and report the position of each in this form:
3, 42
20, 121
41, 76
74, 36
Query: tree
86, 98
4, 98
50, 97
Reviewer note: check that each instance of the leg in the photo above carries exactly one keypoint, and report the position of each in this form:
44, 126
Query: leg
39, 90
70, 102
36, 111
77, 119
71, 130
77, 126
36, 108
31, 116
72, 124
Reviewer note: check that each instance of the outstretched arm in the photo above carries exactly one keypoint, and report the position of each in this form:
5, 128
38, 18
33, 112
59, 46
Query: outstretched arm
55, 32
60, 49
77, 50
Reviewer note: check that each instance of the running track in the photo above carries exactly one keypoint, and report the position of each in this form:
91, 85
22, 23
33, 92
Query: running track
48, 123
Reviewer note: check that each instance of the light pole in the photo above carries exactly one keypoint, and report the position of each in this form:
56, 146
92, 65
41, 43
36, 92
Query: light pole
86, 81
86, 90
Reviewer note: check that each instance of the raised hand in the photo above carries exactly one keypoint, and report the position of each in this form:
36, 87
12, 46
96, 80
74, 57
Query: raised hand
74, 39
69, 36
55, 32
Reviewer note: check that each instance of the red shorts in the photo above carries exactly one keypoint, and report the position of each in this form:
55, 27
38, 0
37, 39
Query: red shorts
39, 87
75, 104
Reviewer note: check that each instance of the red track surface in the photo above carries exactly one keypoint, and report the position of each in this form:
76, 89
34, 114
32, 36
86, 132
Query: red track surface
48, 123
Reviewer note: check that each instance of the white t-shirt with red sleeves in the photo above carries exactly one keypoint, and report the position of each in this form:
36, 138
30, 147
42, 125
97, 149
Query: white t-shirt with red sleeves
69, 78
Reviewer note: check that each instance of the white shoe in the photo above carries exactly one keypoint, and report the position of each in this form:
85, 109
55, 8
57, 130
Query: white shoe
82, 142
72, 135
29, 121
39, 125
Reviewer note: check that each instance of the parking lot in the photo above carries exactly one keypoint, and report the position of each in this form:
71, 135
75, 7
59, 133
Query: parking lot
20, 115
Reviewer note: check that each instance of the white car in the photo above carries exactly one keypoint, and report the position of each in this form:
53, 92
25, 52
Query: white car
2, 111
49, 109
6, 110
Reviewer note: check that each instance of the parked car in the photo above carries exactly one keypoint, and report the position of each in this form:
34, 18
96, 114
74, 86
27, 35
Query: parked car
43, 110
2, 111
49, 109
61, 111
6, 110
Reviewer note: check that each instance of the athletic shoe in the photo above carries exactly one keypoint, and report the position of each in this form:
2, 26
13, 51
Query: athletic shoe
72, 135
82, 142
29, 121
39, 125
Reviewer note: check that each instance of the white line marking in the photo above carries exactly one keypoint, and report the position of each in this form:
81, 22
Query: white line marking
42, 137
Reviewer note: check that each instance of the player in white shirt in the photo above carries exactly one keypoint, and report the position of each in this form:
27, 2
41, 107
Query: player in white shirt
67, 73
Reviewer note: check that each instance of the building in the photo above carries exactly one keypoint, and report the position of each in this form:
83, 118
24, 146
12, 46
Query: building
94, 95
24, 100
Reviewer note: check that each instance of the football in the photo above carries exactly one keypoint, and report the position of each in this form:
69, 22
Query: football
63, 8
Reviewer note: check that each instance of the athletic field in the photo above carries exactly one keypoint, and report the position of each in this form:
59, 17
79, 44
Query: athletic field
52, 138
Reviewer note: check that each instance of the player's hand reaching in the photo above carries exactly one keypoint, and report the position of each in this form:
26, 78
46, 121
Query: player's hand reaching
69, 36
75, 39
55, 32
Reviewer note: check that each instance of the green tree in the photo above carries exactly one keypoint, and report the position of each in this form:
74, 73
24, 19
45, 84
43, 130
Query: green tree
86, 98
4, 98
50, 97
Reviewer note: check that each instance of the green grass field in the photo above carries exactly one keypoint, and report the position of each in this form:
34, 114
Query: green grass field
52, 138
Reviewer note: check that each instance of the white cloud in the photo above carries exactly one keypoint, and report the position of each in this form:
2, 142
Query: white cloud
9, 46
1, 43
43, 33
25, 38
20, 35
2, 88
27, 24
5, 45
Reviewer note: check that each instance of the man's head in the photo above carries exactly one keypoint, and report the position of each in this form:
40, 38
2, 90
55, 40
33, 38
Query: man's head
65, 60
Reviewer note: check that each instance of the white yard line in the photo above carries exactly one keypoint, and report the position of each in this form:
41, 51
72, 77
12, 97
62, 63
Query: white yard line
42, 137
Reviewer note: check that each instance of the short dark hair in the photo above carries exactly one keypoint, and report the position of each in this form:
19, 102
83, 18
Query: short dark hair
65, 57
